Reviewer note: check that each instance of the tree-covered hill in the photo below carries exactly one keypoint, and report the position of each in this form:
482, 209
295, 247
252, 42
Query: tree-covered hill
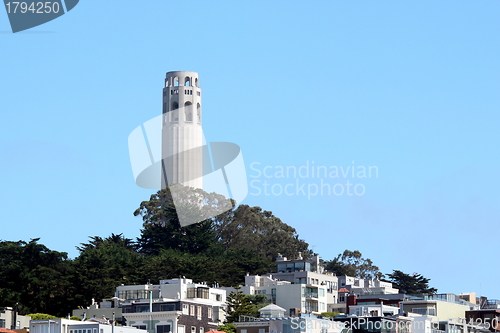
218, 250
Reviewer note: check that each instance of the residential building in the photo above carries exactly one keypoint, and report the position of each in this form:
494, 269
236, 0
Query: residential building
108, 308
273, 319
442, 306
175, 305
359, 286
10, 319
300, 286
75, 326
490, 318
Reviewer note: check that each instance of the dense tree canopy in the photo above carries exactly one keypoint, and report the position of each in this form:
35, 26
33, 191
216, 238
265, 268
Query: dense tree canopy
351, 263
254, 229
36, 278
104, 264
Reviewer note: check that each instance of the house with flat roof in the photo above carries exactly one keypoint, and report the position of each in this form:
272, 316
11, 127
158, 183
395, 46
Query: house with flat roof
74, 326
12, 320
175, 305
299, 285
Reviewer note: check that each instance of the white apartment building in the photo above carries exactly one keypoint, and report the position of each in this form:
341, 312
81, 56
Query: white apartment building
359, 286
175, 305
75, 326
299, 286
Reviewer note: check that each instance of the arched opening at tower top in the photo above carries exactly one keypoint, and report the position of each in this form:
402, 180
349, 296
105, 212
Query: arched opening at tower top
187, 81
176, 81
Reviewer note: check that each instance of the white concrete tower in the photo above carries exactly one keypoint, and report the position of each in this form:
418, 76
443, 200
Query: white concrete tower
182, 135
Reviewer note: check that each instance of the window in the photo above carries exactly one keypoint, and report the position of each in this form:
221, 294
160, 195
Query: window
198, 112
202, 330
188, 110
243, 331
193, 329
185, 309
191, 310
181, 329
162, 328
210, 312
187, 81
198, 312
167, 307
202, 293
140, 327
142, 308
424, 311
133, 294
262, 330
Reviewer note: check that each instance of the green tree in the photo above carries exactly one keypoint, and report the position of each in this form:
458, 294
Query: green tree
41, 316
105, 263
329, 314
352, 263
410, 284
228, 328
252, 228
238, 305
35, 277
258, 302
162, 229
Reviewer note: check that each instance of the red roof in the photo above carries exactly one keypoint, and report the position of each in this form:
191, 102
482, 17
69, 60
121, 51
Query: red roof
4, 330
343, 290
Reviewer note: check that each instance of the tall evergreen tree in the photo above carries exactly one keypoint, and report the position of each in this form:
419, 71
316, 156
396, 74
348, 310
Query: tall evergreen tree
411, 284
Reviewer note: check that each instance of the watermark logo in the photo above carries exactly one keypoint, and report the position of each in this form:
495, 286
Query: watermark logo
25, 15
161, 154
310, 180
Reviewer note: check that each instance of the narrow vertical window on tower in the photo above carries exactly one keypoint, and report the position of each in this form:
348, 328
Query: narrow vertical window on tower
198, 112
175, 113
188, 110
196, 82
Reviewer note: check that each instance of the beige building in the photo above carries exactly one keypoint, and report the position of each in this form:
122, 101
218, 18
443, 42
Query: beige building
441, 310
8, 318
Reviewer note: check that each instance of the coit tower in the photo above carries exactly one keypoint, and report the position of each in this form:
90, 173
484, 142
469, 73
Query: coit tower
182, 135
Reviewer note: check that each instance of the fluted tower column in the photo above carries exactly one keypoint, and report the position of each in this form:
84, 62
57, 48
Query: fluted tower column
182, 132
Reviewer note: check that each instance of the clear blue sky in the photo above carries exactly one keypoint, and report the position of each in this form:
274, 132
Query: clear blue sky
408, 87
